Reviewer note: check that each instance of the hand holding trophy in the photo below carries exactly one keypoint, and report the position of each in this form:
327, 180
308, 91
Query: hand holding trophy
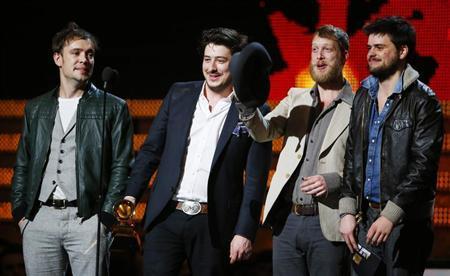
124, 211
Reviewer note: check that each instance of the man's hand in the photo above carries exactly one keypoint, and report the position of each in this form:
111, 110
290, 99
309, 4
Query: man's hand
240, 249
347, 229
245, 112
314, 185
22, 223
131, 198
379, 231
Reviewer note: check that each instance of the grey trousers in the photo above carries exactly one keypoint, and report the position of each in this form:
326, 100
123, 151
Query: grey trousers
301, 249
58, 236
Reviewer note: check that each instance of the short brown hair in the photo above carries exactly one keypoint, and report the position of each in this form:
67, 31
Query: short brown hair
70, 32
336, 34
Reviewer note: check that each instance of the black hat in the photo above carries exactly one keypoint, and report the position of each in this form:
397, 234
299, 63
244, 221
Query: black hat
250, 69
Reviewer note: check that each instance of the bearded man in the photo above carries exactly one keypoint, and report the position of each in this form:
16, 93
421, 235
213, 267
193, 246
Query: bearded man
302, 203
393, 152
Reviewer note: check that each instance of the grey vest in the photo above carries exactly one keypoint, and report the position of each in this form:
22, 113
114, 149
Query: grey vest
60, 169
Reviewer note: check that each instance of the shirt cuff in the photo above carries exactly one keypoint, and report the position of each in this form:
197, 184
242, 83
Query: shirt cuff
392, 212
347, 205
333, 181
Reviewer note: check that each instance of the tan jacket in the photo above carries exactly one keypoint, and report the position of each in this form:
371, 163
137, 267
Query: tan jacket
290, 119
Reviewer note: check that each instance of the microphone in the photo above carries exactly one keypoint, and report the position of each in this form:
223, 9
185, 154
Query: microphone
109, 75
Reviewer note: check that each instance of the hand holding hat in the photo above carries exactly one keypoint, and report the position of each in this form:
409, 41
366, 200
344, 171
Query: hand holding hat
250, 69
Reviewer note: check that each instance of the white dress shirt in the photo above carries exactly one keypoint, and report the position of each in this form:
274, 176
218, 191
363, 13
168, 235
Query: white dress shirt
203, 137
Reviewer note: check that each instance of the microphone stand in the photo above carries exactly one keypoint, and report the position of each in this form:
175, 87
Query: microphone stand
100, 196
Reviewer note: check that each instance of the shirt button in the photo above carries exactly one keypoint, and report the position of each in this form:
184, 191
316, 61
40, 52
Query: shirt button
60, 161
373, 140
61, 151
368, 179
311, 141
370, 160
58, 171
307, 160
53, 182
299, 156
63, 140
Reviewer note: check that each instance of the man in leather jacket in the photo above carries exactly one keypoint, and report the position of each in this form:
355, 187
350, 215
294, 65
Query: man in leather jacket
56, 185
392, 154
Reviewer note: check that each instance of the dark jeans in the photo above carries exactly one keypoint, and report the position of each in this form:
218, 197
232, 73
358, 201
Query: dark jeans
301, 249
407, 248
177, 237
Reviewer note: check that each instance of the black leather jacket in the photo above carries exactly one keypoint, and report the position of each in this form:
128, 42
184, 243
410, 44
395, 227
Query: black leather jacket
411, 147
34, 148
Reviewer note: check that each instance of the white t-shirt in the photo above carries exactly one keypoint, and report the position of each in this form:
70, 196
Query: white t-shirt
67, 109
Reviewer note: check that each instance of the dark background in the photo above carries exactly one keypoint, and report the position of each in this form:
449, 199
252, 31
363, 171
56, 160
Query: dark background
151, 44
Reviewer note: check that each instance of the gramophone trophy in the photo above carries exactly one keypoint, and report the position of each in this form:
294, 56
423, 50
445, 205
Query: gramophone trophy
124, 211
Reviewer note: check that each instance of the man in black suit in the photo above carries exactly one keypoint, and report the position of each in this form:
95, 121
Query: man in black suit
199, 208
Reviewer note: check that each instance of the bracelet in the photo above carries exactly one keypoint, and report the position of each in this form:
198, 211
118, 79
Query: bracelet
246, 117
344, 214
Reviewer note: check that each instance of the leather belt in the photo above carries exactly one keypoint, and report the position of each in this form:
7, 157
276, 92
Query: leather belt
192, 208
60, 203
305, 209
375, 205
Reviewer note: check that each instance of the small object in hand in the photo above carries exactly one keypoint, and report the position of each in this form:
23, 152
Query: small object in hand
367, 263
124, 210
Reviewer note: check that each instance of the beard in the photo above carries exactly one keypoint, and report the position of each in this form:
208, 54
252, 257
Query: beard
384, 71
334, 74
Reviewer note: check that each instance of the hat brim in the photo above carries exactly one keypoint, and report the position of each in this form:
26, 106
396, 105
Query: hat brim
250, 70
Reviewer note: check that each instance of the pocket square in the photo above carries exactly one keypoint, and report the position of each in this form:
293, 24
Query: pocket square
240, 129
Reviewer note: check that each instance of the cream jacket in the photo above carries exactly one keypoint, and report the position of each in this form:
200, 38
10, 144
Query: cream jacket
290, 119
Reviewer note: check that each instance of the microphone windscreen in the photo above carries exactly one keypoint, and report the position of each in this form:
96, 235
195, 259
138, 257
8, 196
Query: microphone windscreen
109, 74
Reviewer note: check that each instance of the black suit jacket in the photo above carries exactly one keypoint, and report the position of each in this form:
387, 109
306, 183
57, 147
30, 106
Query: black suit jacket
233, 208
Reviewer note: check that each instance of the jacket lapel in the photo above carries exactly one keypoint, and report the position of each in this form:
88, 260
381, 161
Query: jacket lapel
186, 112
228, 127
339, 122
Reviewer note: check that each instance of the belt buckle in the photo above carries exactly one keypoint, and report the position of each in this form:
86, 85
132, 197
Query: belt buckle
374, 205
297, 209
61, 205
191, 208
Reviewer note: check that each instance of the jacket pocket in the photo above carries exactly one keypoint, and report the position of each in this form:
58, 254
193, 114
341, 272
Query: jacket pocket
401, 124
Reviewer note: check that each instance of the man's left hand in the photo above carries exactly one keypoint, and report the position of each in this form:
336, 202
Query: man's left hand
379, 231
314, 185
240, 249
